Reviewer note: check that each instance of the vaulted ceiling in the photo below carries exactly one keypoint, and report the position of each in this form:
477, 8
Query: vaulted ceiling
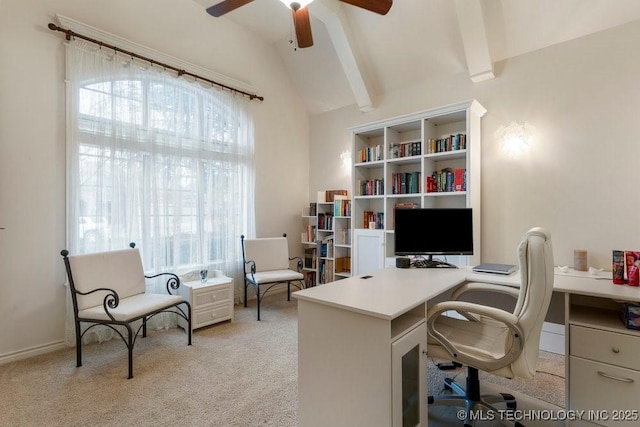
358, 55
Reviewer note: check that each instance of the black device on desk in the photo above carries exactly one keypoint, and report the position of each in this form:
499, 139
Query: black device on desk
429, 232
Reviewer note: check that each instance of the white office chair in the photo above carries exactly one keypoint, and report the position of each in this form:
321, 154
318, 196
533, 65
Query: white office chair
492, 339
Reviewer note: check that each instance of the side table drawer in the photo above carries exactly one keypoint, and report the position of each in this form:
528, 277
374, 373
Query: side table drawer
604, 346
208, 296
211, 315
598, 386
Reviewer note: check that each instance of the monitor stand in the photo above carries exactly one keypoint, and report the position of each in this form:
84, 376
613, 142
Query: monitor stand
432, 263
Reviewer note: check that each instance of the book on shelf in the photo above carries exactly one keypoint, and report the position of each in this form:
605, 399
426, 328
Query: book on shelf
331, 194
405, 182
326, 247
344, 237
373, 220
370, 154
405, 149
447, 143
313, 209
343, 264
460, 179
309, 234
310, 258
342, 207
310, 279
443, 180
325, 221
370, 187
326, 271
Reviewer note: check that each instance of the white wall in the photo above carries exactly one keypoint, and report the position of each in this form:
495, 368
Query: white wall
32, 140
579, 178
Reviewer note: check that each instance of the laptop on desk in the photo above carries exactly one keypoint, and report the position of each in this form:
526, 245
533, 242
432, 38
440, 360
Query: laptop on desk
504, 269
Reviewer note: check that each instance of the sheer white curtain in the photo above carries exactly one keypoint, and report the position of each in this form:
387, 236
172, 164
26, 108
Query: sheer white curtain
156, 160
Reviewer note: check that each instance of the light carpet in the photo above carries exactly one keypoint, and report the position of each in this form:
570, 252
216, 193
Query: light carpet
240, 373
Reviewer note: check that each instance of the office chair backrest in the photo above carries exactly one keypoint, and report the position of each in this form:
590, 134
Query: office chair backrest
535, 255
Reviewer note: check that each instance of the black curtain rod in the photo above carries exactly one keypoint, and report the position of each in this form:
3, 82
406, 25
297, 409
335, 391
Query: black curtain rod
69, 34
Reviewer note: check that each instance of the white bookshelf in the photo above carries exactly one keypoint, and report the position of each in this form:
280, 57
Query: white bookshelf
403, 151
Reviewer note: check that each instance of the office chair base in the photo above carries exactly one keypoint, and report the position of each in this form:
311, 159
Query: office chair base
475, 403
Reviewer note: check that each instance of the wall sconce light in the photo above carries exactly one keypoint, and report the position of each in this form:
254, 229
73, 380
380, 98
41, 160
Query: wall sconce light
516, 138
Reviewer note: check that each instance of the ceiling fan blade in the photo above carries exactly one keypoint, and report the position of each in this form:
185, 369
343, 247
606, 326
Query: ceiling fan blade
302, 24
226, 6
378, 6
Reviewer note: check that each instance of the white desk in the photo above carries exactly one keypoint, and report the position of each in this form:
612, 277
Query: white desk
353, 334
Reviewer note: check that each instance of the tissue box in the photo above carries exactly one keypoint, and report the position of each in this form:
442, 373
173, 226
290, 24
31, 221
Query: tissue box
630, 314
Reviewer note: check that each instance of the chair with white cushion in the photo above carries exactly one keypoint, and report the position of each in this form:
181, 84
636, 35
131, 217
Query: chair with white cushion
108, 288
490, 339
266, 263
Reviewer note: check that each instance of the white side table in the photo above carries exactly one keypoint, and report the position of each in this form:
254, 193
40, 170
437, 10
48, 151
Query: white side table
211, 302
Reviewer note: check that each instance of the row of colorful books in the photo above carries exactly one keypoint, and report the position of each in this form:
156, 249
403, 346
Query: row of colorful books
309, 234
447, 180
448, 143
374, 220
325, 221
370, 187
371, 154
326, 271
405, 183
310, 279
310, 258
405, 149
342, 207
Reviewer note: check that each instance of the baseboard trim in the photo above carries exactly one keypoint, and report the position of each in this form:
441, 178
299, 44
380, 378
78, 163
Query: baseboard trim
30, 352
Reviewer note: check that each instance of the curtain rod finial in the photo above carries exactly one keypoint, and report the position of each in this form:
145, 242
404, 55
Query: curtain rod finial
52, 26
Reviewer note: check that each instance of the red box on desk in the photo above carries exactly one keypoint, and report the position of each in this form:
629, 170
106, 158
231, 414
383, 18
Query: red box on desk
630, 314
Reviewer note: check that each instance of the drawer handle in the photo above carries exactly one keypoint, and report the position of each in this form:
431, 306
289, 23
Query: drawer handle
616, 350
612, 377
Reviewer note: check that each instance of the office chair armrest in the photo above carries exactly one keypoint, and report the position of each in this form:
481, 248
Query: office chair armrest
484, 287
485, 363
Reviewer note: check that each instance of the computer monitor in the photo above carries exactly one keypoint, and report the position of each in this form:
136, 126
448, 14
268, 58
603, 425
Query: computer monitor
433, 231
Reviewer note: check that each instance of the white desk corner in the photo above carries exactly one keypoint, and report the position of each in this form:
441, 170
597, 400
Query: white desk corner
353, 335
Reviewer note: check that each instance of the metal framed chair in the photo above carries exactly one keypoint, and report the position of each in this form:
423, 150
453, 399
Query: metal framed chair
108, 288
266, 263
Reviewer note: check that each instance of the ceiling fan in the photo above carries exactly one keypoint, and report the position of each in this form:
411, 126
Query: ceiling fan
300, 13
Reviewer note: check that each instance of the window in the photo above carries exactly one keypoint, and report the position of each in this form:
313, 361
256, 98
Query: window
156, 160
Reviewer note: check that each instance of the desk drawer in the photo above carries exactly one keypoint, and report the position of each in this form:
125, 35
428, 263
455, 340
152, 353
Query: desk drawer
211, 315
211, 295
604, 346
595, 386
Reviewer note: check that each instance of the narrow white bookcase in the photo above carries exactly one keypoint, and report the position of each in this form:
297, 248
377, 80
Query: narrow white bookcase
326, 239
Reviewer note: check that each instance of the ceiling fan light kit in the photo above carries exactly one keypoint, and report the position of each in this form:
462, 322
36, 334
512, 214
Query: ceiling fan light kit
301, 20
295, 5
